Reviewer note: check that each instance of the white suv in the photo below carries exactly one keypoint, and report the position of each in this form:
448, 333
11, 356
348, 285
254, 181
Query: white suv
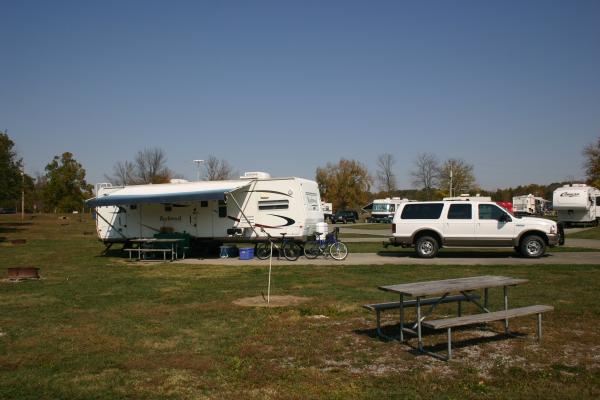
428, 226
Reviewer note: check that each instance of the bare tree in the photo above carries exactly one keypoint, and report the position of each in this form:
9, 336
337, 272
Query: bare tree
457, 176
591, 152
150, 165
123, 174
217, 169
385, 174
425, 174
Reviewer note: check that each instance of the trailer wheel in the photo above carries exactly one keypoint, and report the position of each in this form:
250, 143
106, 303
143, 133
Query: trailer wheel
532, 246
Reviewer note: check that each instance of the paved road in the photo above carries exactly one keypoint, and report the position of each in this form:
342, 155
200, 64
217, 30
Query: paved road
461, 258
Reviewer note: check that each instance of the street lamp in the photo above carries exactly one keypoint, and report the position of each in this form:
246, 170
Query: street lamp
23, 192
199, 163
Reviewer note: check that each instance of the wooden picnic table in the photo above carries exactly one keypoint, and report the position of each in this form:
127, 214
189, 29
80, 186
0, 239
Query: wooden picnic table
142, 241
445, 287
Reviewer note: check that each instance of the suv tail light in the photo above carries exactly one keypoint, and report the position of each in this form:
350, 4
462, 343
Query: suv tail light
393, 228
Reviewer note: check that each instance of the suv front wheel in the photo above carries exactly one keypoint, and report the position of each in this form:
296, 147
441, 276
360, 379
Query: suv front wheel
426, 247
532, 246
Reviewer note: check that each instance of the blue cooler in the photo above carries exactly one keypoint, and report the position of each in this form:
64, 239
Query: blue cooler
246, 253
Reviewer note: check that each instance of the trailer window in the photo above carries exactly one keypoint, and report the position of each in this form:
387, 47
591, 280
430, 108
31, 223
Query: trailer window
222, 209
381, 207
273, 205
598, 201
422, 211
204, 203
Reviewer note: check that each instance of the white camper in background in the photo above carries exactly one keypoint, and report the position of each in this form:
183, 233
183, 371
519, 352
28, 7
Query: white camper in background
530, 205
577, 204
223, 211
524, 205
382, 210
327, 210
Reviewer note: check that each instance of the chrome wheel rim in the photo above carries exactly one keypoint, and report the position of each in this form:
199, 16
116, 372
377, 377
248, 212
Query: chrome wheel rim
533, 247
426, 247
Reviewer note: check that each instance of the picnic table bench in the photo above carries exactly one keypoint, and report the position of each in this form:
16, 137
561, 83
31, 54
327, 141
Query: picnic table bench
464, 287
152, 248
395, 305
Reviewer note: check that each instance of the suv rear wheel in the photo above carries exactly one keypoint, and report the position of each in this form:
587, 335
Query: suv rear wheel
532, 246
426, 247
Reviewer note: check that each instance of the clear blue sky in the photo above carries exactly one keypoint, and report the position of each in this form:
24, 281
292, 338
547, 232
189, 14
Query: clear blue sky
284, 87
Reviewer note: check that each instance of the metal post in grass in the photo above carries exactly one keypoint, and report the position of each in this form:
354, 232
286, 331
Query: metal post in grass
269, 284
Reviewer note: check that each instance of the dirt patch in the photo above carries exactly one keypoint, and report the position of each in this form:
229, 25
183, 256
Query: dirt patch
274, 301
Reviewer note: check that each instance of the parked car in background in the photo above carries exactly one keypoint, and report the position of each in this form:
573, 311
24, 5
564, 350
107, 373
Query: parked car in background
345, 216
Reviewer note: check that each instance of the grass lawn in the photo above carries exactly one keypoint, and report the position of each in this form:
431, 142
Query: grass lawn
100, 327
592, 233
361, 235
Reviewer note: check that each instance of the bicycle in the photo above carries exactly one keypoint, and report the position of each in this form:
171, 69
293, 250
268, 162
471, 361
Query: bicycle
290, 249
330, 245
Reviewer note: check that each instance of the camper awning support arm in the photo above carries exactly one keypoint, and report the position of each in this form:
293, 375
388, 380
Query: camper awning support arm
243, 214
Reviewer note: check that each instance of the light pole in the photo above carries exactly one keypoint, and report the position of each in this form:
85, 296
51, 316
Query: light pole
450, 179
199, 163
23, 192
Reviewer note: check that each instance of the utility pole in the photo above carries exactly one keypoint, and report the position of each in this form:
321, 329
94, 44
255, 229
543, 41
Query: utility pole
199, 163
450, 179
23, 192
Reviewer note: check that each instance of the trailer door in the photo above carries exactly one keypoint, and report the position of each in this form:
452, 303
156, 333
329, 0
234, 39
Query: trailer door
203, 219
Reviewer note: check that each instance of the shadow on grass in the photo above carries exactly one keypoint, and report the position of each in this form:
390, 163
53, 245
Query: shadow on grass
10, 230
458, 254
15, 223
391, 333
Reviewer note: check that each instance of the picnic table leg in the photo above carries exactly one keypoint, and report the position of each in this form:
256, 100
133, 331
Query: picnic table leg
486, 298
506, 308
539, 327
419, 324
402, 317
449, 343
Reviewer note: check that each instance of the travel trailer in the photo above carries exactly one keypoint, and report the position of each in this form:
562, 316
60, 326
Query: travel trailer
327, 210
524, 205
530, 205
382, 210
219, 211
577, 204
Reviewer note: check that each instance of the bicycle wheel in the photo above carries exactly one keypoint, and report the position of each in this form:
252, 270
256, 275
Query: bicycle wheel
312, 249
338, 250
263, 250
291, 251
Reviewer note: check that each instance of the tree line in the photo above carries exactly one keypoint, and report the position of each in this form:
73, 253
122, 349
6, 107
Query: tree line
347, 184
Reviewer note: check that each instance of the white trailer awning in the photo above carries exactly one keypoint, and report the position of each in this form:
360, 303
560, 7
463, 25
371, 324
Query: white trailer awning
167, 193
